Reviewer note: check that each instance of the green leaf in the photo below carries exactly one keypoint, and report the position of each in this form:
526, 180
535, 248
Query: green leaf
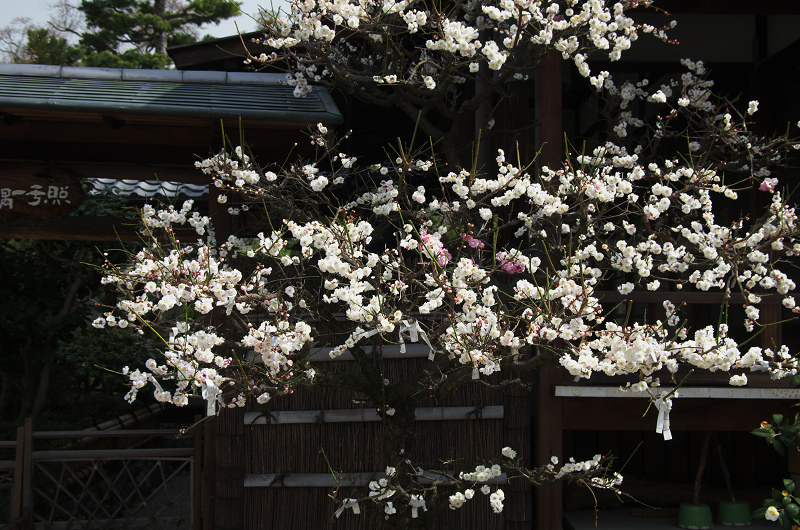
777, 495
758, 513
777, 419
795, 380
779, 446
788, 485
763, 433
792, 510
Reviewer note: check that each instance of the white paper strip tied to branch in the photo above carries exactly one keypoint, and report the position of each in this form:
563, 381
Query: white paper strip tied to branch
209, 392
416, 502
415, 332
160, 395
155, 383
664, 405
348, 503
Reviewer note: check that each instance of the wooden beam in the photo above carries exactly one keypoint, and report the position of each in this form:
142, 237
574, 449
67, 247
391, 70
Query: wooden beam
163, 173
63, 151
728, 7
284, 417
98, 119
686, 392
79, 229
111, 454
387, 351
603, 414
329, 480
116, 433
72, 229
689, 297
130, 133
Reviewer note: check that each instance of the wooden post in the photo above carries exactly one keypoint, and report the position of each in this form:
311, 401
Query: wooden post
220, 507
549, 129
197, 476
210, 474
218, 214
549, 427
771, 317
19, 470
549, 443
27, 473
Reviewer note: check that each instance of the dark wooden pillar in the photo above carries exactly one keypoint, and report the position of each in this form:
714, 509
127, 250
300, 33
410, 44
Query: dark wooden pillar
549, 129
219, 215
549, 442
224, 433
549, 428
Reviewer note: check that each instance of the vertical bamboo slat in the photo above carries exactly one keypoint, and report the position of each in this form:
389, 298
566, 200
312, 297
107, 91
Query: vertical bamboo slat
358, 447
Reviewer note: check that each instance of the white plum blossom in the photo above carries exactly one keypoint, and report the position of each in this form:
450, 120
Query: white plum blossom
485, 265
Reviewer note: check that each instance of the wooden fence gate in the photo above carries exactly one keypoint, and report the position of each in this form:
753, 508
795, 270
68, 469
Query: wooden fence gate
94, 483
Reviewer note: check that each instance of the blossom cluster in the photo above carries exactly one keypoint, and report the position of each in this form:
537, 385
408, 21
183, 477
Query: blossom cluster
323, 39
492, 269
497, 301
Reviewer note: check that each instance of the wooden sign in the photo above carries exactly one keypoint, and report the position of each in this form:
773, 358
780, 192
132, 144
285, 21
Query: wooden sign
38, 192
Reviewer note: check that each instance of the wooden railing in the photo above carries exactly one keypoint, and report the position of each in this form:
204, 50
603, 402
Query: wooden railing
82, 486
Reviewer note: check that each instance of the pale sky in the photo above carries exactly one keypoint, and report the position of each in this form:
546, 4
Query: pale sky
38, 11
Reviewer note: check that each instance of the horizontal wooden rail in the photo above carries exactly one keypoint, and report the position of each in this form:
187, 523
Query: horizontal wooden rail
329, 480
122, 524
110, 434
278, 417
689, 297
683, 392
114, 454
387, 351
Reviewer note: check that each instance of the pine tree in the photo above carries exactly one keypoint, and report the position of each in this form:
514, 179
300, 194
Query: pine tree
136, 33
44, 46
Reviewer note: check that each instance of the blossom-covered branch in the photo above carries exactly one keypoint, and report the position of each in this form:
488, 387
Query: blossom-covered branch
491, 269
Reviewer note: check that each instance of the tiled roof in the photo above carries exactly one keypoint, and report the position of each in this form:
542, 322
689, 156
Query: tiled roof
198, 94
145, 188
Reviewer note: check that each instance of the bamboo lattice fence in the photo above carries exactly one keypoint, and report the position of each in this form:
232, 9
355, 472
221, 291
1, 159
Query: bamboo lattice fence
278, 463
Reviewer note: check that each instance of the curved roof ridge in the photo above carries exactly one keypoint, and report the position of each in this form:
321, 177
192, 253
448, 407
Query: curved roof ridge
185, 93
136, 74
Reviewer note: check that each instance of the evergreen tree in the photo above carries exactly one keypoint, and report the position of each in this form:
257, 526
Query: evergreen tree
136, 33
44, 46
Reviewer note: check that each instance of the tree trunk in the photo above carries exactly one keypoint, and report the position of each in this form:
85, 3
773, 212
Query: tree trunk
5, 396
160, 35
42, 390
